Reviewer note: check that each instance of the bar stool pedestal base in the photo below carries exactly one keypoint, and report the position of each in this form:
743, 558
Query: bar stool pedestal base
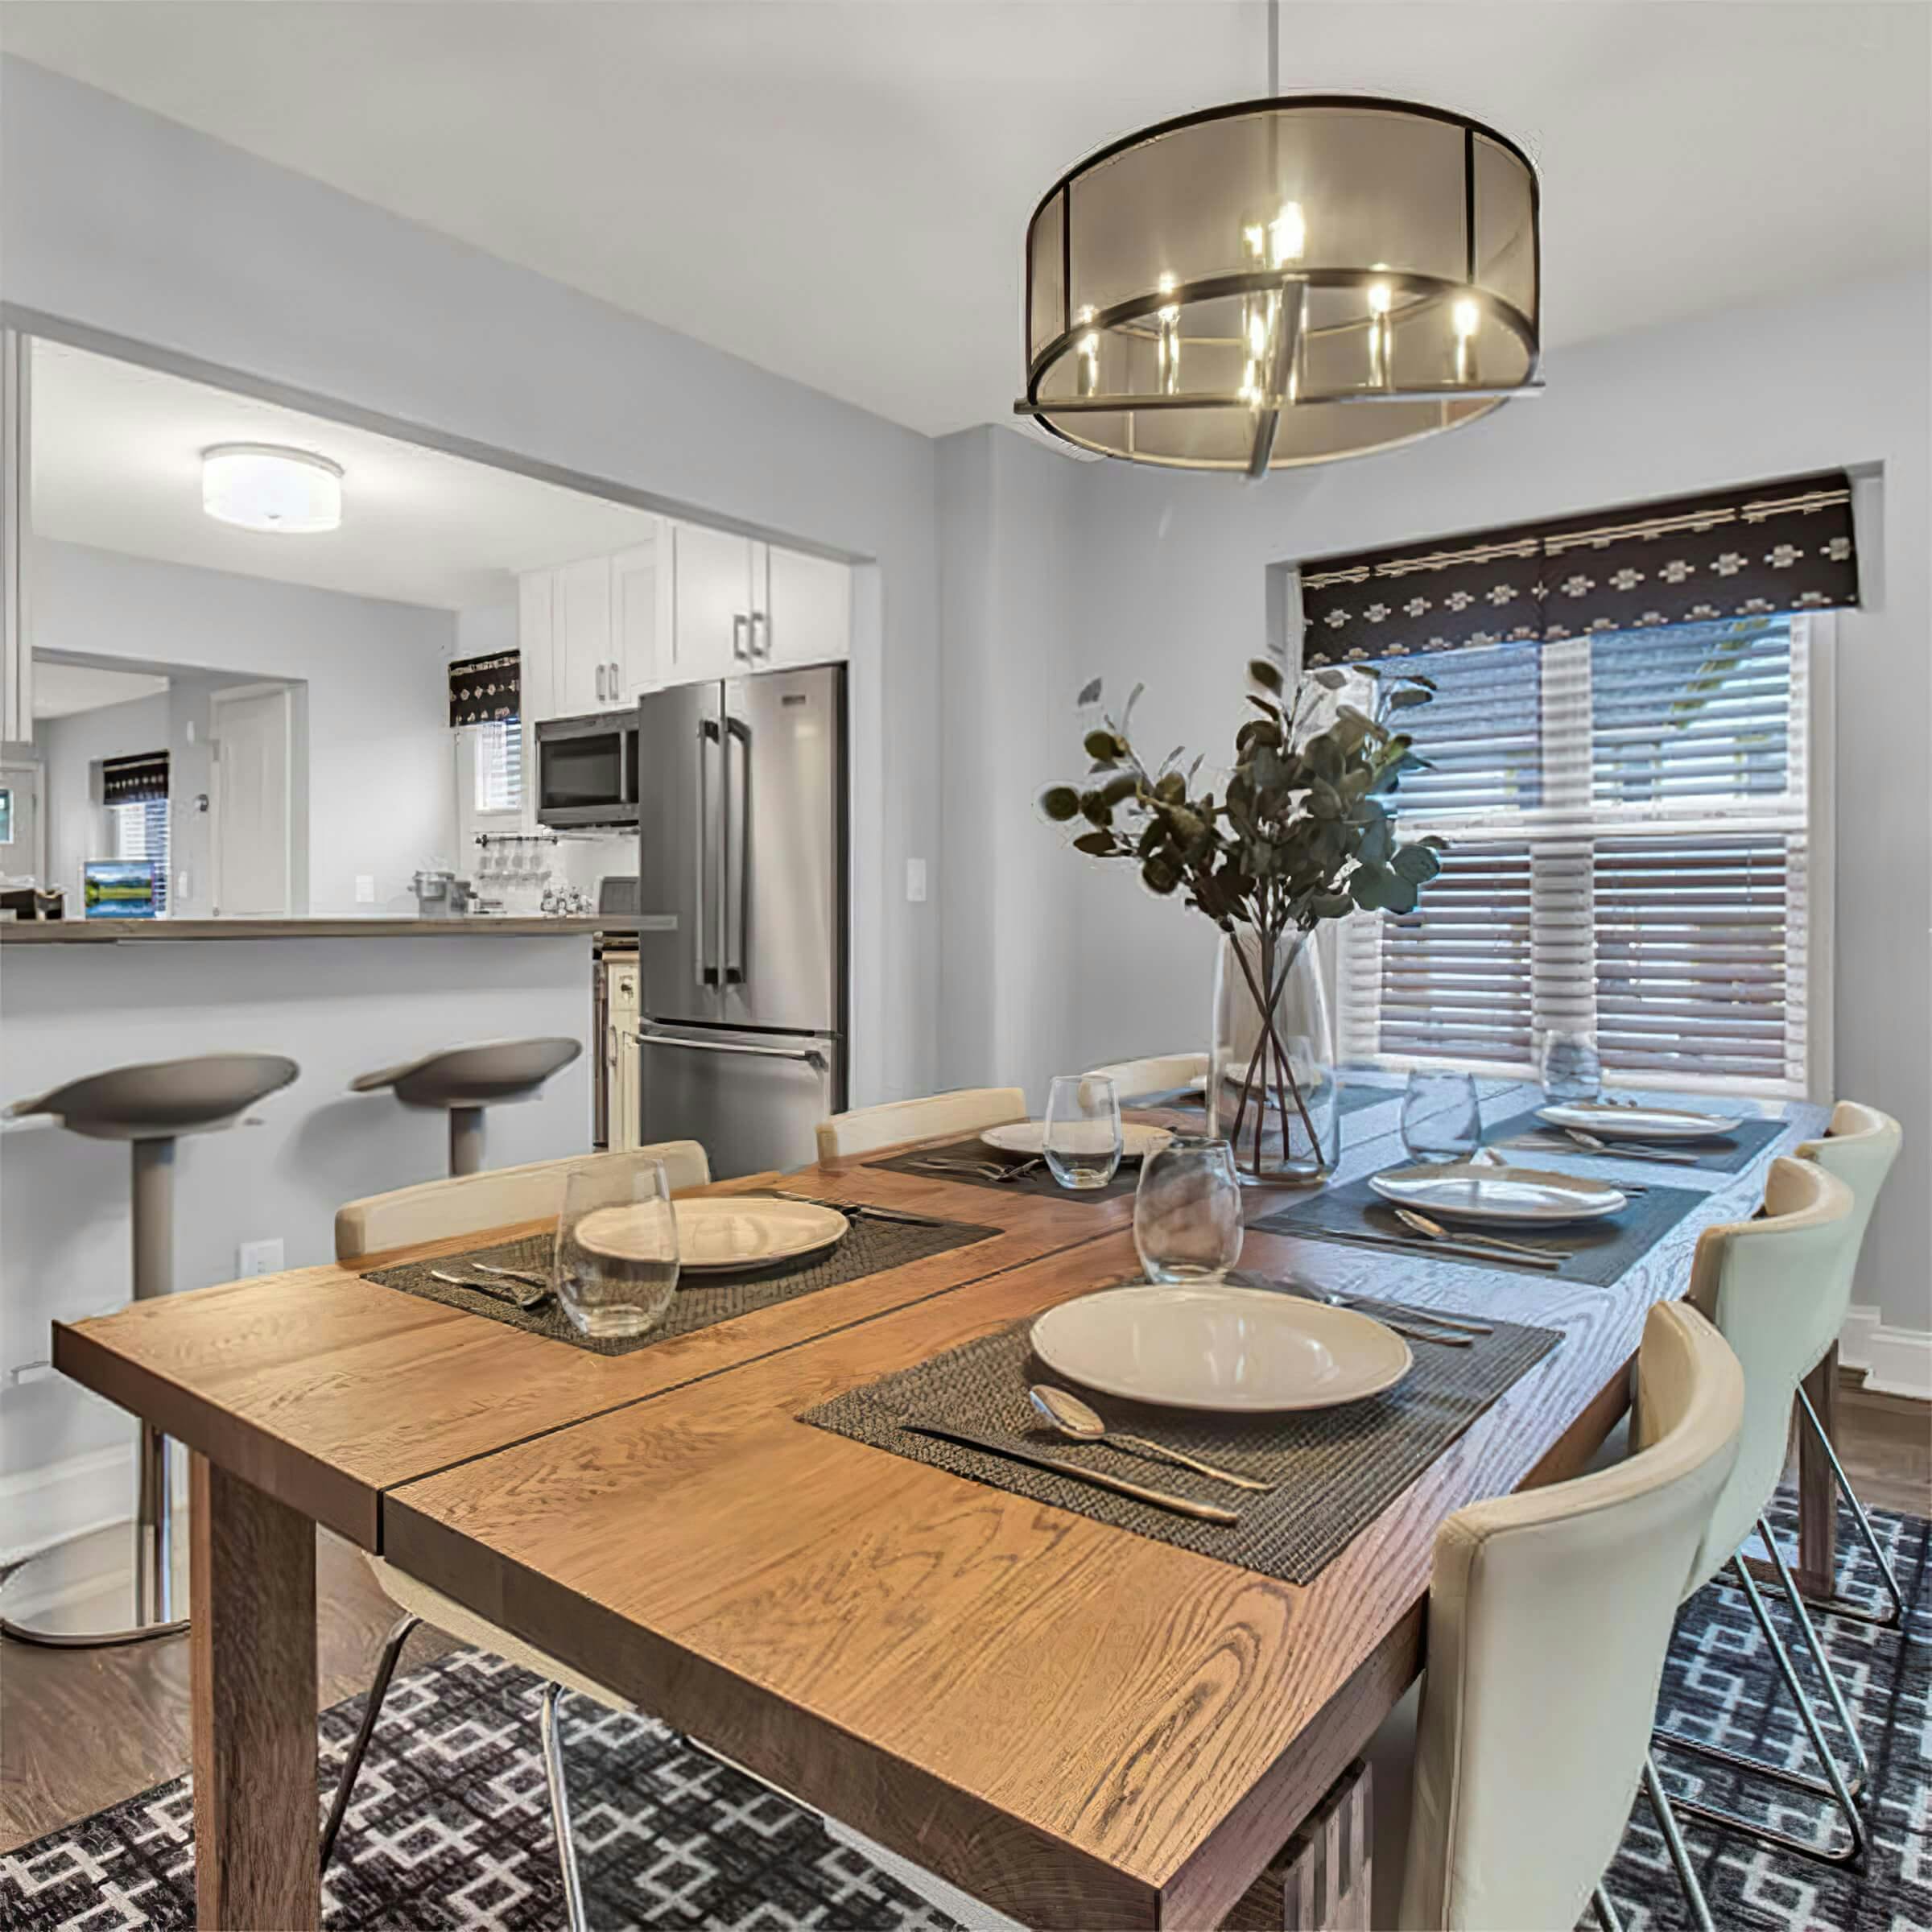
102, 1588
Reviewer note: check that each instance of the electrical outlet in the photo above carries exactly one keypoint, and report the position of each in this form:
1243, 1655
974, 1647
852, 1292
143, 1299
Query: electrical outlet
259, 1258
365, 889
915, 881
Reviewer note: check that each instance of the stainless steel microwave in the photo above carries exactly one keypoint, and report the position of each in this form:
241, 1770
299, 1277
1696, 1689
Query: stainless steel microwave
587, 770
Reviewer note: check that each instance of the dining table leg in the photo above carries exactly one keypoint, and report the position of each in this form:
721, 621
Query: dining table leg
1817, 1566
252, 1661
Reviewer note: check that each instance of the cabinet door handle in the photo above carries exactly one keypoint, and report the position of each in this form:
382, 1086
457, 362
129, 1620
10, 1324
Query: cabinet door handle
616, 683
600, 683
759, 618
740, 627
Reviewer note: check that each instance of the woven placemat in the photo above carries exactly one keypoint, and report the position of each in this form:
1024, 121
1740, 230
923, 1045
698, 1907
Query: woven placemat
1596, 1252
870, 1246
1732, 1155
1336, 1469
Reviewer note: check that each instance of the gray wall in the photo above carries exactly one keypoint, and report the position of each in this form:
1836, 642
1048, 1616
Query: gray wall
375, 689
69, 748
115, 218
1170, 575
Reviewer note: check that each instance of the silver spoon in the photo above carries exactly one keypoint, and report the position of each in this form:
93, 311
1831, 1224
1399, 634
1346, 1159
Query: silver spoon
1434, 1231
522, 1299
1075, 1420
514, 1274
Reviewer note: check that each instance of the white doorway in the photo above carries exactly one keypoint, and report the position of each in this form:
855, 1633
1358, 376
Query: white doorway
251, 801
22, 830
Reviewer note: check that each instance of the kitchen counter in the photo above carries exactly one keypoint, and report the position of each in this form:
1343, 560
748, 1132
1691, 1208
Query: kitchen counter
97, 932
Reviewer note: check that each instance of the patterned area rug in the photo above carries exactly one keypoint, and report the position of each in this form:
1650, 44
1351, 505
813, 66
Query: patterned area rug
451, 1828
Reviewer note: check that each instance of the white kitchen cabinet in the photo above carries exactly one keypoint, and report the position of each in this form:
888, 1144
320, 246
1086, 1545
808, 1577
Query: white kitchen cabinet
640, 620
582, 637
713, 602
536, 594
808, 615
624, 1119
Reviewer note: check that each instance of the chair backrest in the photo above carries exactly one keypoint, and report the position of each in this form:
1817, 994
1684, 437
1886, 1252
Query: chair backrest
1159, 1073
1550, 1614
1767, 1284
959, 1111
1859, 1147
471, 1203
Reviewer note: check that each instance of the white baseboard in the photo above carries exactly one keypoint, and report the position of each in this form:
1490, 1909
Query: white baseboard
1896, 1361
41, 1506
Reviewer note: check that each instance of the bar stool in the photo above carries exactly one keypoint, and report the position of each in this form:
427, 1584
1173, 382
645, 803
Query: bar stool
465, 1079
110, 1587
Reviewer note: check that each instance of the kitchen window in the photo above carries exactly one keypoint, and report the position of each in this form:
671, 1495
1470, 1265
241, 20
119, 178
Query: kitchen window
1631, 853
138, 830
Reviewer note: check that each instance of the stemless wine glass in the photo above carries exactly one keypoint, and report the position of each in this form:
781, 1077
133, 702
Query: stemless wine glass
1082, 1136
1571, 1067
1442, 1120
1187, 1211
617, 1266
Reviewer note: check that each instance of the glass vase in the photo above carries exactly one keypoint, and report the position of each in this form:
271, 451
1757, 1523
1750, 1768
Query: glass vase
1271, 1084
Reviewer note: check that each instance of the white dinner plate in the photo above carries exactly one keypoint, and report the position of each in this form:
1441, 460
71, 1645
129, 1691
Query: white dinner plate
1473, 1190
1029, 1136
1204, 1345
1611, 1123
718, 1232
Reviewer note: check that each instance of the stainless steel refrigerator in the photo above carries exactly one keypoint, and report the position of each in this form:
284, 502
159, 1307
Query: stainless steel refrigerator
742, 833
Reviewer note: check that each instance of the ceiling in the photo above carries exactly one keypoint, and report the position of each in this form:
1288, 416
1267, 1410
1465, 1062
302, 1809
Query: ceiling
836, 189
61, 687
117, 463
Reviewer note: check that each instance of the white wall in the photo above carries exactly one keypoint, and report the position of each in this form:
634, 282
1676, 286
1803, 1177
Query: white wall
69, 747
375, 694
1169, 574
116, 219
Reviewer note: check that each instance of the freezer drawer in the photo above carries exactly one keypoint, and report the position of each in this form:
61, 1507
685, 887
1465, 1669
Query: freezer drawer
752, 1100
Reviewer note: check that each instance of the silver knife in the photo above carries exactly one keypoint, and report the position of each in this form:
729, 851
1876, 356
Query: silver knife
1161, 1499
1404, 1244
865, 1208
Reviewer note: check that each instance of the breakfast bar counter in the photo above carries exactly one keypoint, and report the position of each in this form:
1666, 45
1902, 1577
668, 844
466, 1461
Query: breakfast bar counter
97, 932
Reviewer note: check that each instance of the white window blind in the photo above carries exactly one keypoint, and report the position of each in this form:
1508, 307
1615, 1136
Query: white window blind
1627, 830
498, 754
138, 830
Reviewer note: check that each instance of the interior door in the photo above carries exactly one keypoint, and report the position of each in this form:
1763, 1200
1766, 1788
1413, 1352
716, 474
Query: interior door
253, 802
710, 626
784, 850
680, 799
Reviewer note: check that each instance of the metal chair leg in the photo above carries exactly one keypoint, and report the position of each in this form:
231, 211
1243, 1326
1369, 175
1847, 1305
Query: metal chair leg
1674, 1843
1822, 1664
1606, 1912
372, 1709
1838, 1604
559, 1809
1836, 1790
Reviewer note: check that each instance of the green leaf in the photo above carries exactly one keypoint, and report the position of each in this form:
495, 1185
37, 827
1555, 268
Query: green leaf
1120, 788
1407, 698
1096, 844
1060, 803
1417, 864
1103, 745
1329, 679
1332, 905
1265, 674
1090, 693
1160, 877
1097, 810
1171, 790
1367, 886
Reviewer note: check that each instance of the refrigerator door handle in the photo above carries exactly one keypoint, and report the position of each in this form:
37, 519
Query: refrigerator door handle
737, 830
811, 1056
707, 734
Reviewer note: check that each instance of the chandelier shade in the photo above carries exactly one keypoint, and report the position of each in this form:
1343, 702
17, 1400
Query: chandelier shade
1282, 281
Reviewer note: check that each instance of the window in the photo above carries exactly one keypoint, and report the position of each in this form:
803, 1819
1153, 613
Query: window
1629, 840
138, 830
499, 756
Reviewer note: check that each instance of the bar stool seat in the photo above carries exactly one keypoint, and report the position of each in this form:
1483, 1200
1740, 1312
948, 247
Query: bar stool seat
127, 1582
463, 1080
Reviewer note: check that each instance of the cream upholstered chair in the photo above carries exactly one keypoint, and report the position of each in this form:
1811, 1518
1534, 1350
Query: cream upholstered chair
1549, 1615
964, 1111
1159, 1073
1767, 1286
499, 1197
469, 1204
1859, 1146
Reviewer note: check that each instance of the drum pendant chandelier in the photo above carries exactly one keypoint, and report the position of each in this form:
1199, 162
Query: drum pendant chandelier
1282, 281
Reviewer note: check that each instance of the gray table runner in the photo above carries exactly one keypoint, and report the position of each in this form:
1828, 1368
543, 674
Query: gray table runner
1731, 1154
1337, 1469
870, 1246
1596, 1252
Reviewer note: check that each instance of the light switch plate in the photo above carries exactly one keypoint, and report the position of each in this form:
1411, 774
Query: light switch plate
259, 1258
915, 881
365, 889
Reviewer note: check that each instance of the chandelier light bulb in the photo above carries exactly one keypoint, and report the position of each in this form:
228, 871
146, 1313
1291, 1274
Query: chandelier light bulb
1467, 316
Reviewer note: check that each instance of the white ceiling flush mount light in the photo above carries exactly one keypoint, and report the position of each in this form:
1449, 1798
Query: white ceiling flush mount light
1283, 282
263, 486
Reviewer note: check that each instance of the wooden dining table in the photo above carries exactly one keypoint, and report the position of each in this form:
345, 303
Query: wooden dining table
1080, 1725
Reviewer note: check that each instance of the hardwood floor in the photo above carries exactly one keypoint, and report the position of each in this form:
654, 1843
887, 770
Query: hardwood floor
81, 1729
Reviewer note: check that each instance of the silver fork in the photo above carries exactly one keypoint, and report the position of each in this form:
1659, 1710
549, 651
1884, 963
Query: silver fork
1450, 1332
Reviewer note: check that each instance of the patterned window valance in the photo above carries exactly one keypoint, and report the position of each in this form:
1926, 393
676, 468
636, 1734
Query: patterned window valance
1736, 553
143, 775
484, 689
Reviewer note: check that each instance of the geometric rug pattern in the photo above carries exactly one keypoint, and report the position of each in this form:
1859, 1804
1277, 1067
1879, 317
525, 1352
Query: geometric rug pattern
451, 1826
